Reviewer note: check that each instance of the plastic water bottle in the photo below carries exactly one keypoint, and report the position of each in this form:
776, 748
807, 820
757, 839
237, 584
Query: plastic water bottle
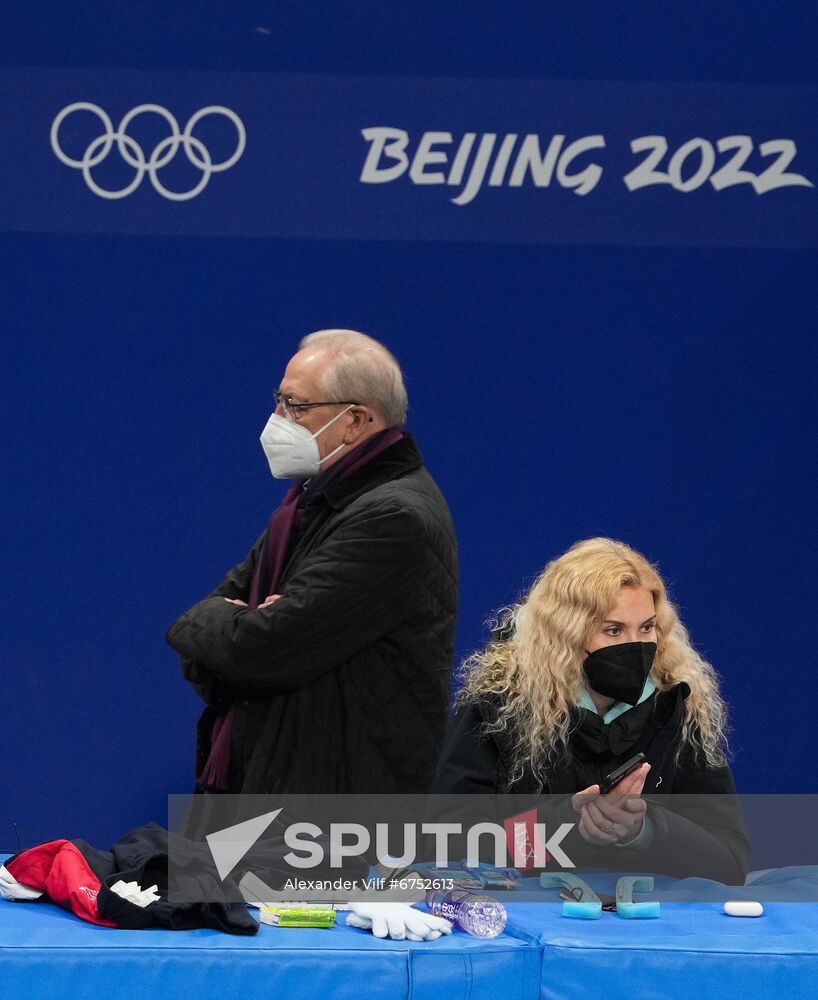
475, 913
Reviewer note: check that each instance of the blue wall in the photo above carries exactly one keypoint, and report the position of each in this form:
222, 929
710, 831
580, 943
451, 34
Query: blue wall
638, 363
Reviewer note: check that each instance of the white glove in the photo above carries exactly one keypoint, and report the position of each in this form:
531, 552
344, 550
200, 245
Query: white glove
398, 921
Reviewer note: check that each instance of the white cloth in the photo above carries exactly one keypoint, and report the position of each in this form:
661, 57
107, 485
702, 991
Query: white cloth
10, 888
398, 921
134, 893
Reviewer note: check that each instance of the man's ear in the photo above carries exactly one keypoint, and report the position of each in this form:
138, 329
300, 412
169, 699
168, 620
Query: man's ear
360, 420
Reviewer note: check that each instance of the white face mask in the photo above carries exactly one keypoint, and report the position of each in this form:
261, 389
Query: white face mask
292, 452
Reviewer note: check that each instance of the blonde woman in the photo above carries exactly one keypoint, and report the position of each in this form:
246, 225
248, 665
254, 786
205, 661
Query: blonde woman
592, 668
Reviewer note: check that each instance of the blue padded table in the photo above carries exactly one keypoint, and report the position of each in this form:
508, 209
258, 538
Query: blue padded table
692, 950
46, 952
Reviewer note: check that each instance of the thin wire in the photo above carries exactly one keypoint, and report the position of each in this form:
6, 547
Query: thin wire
18, 839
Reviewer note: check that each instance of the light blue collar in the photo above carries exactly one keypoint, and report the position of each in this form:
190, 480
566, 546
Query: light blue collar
619, 707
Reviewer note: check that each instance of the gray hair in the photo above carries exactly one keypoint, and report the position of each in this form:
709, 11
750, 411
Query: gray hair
362, 369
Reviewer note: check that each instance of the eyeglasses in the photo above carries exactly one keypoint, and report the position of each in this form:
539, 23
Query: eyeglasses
293, 410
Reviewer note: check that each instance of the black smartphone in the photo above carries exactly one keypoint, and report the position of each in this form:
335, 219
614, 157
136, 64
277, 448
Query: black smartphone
613, 779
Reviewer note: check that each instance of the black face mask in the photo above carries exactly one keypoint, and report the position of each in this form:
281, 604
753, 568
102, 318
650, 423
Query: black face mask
620, 671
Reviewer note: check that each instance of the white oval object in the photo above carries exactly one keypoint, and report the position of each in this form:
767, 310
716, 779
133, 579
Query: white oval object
743, 908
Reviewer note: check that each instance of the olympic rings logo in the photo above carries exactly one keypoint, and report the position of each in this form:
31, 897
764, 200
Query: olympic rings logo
133, 154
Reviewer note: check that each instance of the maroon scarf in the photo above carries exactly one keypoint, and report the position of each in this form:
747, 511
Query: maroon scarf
281, 529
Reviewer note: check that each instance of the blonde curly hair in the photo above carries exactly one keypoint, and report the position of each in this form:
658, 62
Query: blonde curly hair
534, 665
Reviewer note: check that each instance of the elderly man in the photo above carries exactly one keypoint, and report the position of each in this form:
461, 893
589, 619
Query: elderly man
325, 656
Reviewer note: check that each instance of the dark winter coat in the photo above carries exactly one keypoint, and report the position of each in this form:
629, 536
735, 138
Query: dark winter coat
191, 891
694, 816
342, 684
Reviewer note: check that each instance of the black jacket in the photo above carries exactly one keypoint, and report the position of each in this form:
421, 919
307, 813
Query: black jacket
191, 891
694, 815
342, 684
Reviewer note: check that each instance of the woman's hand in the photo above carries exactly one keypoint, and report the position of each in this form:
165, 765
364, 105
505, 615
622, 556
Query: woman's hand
618, 815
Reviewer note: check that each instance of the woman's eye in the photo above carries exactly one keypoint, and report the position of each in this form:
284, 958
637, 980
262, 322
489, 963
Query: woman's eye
649, 628
612, 630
